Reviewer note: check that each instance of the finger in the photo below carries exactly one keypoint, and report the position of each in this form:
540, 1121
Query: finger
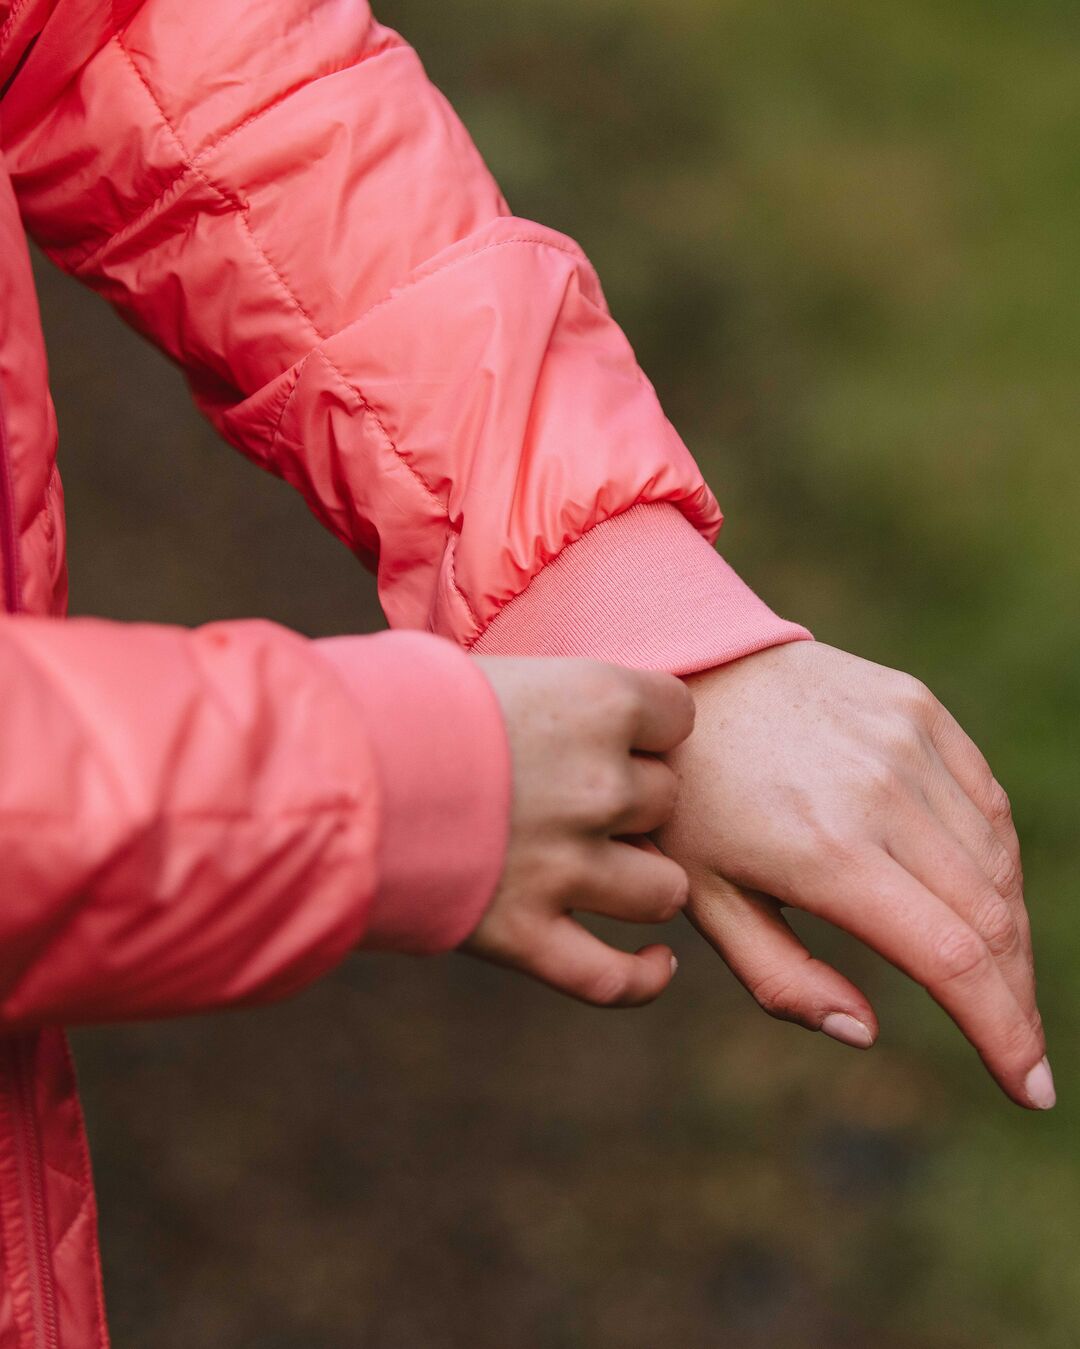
968, 791
651, 797
956, 810
575, 962
934, 856
758, 945
636, 884
666, 714
966, 762
895, 914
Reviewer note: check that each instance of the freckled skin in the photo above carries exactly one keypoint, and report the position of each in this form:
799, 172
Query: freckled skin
822, 781
584, 739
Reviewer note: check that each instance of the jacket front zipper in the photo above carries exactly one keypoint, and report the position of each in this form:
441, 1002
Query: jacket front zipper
20, 1060
28, 1155
9, 550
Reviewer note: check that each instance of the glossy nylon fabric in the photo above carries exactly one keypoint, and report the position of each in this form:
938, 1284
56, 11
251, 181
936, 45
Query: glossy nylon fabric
279, 197
274, 193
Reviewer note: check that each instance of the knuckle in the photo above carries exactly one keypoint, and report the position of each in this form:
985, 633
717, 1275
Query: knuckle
608, 796
832, 847
569, 873
913, 694
619, 697
1005, 873
902, 735
921, 697
883, 778
607, 987
961, 955
997, 926
999, 807
822, 826
776, 993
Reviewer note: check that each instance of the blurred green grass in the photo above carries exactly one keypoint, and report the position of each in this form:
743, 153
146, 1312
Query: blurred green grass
843, 239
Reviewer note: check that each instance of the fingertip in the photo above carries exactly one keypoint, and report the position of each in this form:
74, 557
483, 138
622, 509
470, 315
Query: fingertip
660, 964
681, 708
667, 960
849, 1030
682, 890
1039, 1086
655, 951
689, 703
580, 964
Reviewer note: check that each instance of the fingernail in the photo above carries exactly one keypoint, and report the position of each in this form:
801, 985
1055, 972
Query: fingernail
1039, 1085
847, 1029
674, 965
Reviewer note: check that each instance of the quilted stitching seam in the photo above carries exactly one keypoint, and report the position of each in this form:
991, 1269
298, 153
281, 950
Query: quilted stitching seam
369, 411
90, 1201
78, 1181
237, 204
80, 1212
192, 163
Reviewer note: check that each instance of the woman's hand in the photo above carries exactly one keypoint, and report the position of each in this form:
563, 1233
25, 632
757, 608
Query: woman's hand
584, 739
822, 781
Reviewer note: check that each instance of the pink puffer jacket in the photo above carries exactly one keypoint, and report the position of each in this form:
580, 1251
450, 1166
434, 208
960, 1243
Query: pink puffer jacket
274, 193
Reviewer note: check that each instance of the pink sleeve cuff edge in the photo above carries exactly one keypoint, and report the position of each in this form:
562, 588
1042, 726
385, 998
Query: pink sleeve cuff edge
641, 589
440, 746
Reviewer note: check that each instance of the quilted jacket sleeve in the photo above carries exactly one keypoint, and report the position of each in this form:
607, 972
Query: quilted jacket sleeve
275, 193
191, 820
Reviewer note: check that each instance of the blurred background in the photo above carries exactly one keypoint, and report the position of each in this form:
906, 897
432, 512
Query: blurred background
843, 239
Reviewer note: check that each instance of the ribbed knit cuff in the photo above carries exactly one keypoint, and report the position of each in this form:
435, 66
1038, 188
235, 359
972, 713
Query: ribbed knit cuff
642, 589
440, 745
